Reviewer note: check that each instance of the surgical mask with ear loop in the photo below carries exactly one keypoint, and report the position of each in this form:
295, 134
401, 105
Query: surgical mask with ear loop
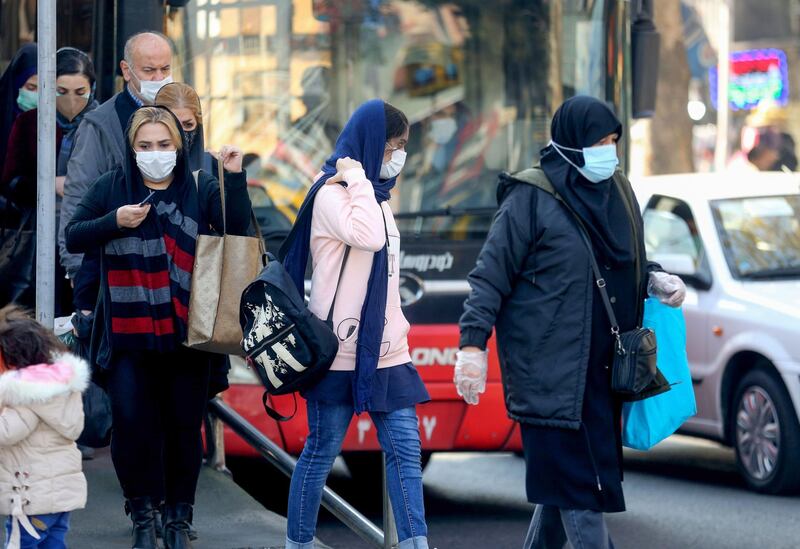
599, 163
27, 99
148, 89
392, 168
71, 105
156, 166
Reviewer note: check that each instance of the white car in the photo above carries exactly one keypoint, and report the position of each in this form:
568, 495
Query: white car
734, 238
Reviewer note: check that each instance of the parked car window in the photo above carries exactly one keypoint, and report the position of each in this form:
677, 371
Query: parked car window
670, 229
760, 235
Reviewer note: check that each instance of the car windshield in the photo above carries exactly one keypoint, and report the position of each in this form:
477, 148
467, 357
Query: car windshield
760, 235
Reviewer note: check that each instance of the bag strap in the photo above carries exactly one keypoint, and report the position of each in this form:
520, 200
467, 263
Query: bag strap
535, 176
271, 412
329, 320
253, 218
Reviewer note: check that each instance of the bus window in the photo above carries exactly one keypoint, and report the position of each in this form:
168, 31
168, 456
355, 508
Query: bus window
478, 86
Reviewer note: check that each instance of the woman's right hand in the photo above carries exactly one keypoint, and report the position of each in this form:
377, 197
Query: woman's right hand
342, 165
131, 216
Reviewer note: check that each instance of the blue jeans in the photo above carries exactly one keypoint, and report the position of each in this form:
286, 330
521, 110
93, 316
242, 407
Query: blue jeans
552, 527
52, 536
398, 434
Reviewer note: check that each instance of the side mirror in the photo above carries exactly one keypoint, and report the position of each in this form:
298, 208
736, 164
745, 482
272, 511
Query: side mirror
683, 266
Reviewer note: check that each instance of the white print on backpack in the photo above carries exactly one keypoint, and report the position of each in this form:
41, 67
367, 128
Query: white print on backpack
277, 358
426, 262
283, 358
267, 319
363, 426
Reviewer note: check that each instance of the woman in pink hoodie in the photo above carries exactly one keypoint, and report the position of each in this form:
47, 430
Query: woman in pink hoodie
41, 416
347, 227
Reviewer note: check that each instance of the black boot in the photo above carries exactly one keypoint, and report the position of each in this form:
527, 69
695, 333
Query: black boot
144, 524
176, 528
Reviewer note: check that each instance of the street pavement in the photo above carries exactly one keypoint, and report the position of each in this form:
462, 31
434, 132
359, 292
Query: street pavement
684, 494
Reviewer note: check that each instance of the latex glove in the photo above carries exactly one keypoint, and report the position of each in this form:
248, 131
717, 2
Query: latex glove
669, 289
470, 374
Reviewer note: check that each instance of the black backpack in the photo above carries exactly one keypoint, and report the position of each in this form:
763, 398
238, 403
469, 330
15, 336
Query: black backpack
289, 348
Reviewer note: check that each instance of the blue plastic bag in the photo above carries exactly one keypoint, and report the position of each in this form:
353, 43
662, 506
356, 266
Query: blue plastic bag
647, 422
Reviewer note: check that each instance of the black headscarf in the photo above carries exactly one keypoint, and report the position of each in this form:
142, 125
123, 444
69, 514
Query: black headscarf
183, 180
581, 122
22, 67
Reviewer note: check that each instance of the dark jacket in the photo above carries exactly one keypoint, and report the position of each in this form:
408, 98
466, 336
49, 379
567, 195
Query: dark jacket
21, 159
94, 224
99, 148
534, 282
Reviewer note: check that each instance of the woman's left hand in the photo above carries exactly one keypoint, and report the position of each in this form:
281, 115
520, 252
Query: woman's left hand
231, 158
667, 288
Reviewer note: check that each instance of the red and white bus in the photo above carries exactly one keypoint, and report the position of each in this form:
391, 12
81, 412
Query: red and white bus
478, 84
478, 81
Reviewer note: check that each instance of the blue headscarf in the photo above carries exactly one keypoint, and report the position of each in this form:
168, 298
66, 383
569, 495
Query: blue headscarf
362, 139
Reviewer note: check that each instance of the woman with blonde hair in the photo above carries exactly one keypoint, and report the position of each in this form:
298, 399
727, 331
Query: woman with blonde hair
182, 100
145, 218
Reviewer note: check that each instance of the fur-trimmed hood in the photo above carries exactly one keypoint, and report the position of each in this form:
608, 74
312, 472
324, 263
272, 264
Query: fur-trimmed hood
40, 383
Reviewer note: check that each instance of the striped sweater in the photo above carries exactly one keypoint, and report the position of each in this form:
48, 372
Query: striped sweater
146, 272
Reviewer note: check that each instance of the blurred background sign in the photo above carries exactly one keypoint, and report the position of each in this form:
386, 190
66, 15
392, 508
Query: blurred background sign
755, 76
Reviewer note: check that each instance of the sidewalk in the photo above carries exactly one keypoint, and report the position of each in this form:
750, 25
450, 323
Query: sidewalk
225, 516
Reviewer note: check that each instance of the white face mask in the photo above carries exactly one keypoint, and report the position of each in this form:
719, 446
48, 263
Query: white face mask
392, 168
148, 89
156, 166
443, 130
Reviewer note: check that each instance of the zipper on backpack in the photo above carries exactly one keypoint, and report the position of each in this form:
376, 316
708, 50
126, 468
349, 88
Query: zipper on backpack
261, 347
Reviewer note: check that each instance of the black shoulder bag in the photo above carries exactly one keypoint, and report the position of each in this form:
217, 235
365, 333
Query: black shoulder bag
634, 375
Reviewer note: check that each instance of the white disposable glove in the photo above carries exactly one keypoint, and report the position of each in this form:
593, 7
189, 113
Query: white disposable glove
667, 288
470, 374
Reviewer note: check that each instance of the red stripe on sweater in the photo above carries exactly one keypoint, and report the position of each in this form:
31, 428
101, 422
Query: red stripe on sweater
142, 325
180, 309
135, 277
182, 260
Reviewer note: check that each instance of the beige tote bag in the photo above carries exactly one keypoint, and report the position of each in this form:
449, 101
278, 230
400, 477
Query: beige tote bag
223, 267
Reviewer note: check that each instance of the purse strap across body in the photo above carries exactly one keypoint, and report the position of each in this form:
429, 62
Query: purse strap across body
634, 372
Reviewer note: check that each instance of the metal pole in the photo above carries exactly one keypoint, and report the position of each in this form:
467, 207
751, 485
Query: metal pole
389, 527
46, 164
723, 78
285, 463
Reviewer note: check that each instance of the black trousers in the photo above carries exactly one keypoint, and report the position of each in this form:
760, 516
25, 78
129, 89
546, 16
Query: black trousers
158, 401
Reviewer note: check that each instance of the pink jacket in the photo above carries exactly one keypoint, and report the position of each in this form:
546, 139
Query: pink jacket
351, 216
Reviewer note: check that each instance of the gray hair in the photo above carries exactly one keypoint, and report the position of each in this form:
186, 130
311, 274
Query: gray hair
130, 44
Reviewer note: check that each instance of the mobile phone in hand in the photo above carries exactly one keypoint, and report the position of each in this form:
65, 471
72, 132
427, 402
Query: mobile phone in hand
147, 199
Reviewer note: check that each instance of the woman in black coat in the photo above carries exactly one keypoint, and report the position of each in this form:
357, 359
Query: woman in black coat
145, 218
534, 282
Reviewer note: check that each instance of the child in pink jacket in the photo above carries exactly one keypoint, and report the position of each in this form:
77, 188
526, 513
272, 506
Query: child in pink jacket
41, 416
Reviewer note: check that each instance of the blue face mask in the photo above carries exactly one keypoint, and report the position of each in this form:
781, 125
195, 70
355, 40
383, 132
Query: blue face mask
599, 162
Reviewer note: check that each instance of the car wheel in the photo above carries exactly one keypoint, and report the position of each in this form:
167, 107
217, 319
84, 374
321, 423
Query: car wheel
766, 434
